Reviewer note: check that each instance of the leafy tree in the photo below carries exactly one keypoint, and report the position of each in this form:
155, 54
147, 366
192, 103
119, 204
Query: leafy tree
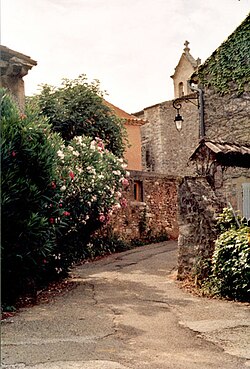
77, 108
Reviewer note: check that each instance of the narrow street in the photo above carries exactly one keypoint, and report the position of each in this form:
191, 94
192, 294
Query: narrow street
127, 311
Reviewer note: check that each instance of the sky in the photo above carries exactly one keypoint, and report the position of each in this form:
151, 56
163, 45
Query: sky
130, 46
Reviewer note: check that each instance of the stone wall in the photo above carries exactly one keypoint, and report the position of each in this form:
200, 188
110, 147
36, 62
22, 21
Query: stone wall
227, 117
153, 215
164, 149
198, 207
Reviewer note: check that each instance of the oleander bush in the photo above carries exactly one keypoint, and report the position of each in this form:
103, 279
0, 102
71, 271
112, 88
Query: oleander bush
55, 194
28, 167
91, 181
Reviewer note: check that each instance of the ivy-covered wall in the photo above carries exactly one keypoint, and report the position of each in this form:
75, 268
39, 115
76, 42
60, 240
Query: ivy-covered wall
225, 78
228, 68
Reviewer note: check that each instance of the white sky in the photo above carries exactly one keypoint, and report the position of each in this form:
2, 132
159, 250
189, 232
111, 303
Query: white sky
131, 46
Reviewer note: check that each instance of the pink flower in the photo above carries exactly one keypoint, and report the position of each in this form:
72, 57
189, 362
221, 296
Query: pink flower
66, 213
13, 153
71, 174
102, 218
51, 220
125, 182
53, 185
123, 202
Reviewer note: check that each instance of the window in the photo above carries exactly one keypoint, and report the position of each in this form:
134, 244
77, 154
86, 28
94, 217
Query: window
181, 89
138, 191
246, 200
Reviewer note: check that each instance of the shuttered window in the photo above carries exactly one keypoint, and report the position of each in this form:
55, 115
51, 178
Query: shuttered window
246, 200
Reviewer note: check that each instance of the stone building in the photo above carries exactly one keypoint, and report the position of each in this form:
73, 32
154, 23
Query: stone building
151, 198
164, 149
13, 67
224, 82
222, 157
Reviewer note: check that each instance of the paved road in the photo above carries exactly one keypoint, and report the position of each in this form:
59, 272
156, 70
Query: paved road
128, 311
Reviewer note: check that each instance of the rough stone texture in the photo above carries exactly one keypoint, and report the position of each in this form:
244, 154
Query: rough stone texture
13, 67
198, 207
164, 149
227, 117
152, 217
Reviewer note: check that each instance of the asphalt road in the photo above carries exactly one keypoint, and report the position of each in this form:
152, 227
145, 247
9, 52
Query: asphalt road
127, 311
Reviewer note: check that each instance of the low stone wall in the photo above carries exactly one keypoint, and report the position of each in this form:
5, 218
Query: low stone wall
153, 214
198, 207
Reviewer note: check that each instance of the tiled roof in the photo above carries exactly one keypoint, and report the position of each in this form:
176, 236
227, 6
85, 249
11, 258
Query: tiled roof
130, 119
229, 154
223, 148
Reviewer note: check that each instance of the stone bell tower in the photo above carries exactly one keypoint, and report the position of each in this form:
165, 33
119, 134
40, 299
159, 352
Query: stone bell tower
183, 71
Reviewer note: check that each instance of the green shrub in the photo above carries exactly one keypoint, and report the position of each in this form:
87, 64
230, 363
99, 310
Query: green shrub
231, 258
28, 167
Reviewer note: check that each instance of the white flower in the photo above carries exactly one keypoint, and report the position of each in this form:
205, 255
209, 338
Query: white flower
63, 188
124, 166
101, 176
117, 172
79, 170
60, 154
70, 148
78, 139
76, 153
92, 145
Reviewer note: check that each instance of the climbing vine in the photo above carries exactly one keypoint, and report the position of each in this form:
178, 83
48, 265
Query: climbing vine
228, 67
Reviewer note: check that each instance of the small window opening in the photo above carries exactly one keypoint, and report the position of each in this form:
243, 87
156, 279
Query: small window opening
181, 89
138, 191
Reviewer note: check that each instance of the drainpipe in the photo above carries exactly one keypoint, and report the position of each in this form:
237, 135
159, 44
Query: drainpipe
201, 109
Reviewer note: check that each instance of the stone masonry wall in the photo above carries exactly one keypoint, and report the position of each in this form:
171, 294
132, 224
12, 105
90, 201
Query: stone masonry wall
227, 117
164, 149
198, 207
155, 215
